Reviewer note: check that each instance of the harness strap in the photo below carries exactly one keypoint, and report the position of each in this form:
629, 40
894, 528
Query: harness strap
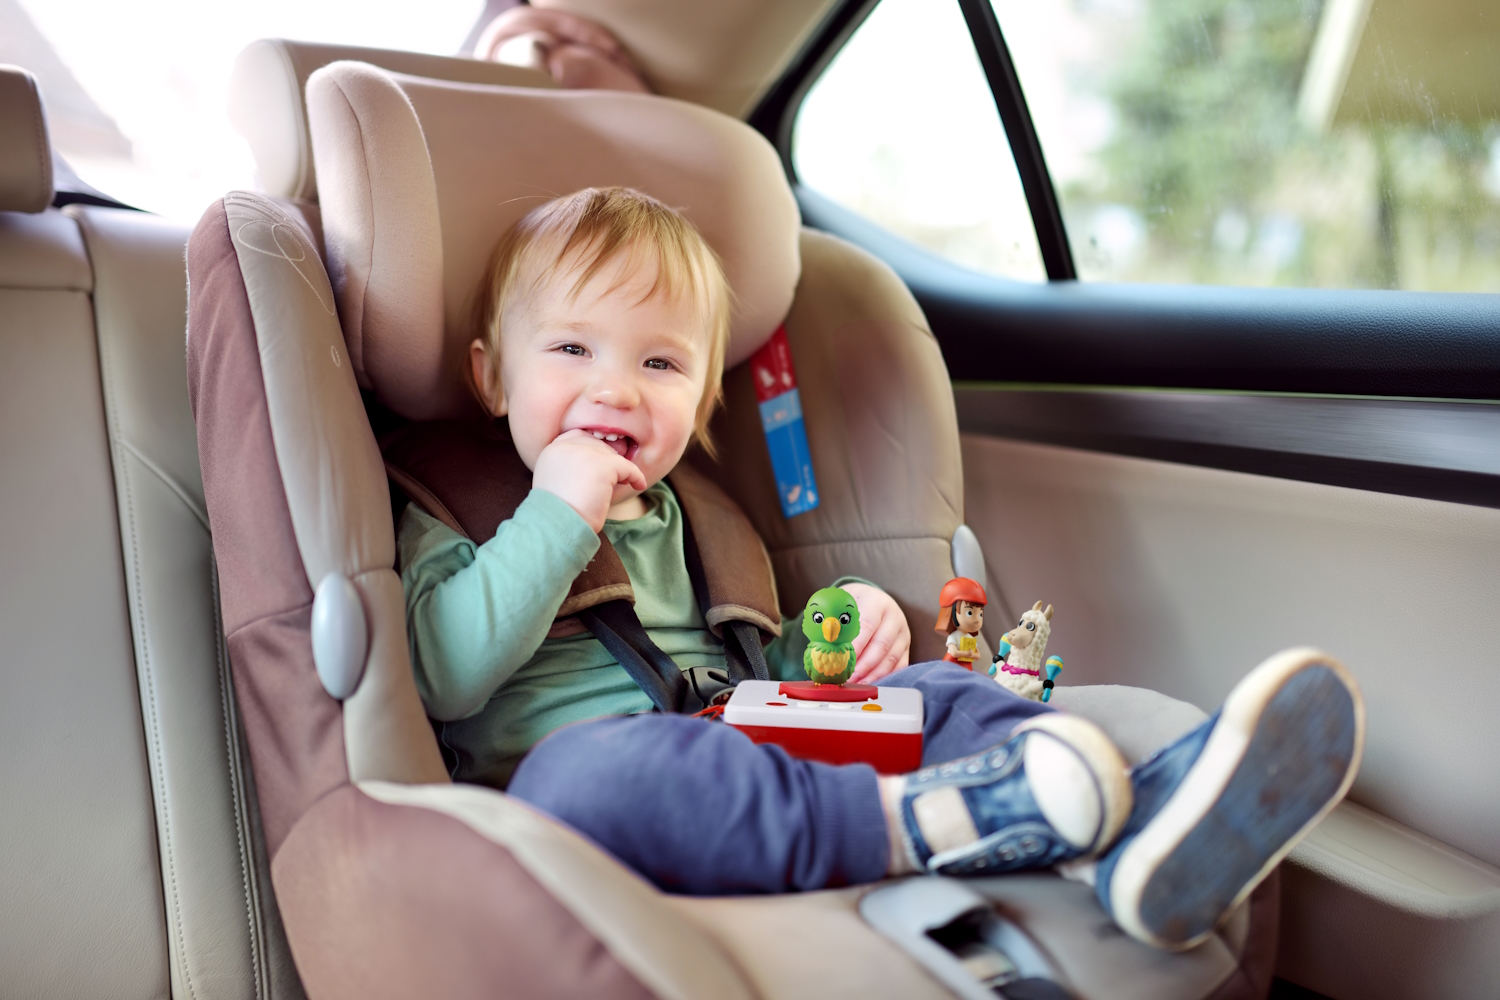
615, 625
743, 652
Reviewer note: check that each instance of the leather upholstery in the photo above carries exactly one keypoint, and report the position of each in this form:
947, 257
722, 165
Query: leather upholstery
266, 104
42, 251
221, 919
25, 152
83, 913
1123, 547
421, 177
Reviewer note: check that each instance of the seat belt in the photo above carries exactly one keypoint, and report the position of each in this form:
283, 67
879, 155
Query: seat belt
615, 625
619, 630
742, 650
746, 658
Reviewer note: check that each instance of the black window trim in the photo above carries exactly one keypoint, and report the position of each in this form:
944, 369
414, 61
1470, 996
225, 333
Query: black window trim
776, 115
1025, 147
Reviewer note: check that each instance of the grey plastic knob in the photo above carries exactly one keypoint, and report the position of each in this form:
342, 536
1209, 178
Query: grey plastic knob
340, 637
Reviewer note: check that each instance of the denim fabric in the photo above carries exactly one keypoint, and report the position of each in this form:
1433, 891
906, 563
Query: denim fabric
697, 808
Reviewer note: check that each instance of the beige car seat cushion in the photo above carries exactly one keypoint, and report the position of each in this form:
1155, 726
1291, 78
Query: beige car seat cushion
421, 177
883, 436
266, 100
25, 152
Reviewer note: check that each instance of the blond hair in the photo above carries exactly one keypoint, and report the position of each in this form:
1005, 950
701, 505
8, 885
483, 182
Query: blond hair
583, 233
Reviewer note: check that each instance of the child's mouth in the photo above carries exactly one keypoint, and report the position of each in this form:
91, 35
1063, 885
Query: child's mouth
623, 444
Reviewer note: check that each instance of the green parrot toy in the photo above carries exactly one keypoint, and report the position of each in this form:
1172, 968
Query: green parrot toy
830, 622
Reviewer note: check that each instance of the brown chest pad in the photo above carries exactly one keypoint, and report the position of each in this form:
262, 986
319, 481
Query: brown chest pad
468, 476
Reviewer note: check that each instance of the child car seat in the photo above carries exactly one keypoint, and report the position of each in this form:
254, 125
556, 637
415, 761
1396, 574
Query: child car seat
390, 880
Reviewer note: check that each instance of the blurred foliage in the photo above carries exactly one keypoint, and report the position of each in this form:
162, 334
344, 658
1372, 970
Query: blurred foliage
1204, 107
1230, 187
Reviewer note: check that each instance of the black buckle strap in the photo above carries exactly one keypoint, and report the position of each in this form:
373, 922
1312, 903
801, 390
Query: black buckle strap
615, 625
743, 652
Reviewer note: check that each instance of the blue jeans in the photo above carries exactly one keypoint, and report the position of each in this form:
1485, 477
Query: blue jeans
697, 808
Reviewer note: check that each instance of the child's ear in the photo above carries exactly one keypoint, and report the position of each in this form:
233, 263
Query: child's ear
486, 379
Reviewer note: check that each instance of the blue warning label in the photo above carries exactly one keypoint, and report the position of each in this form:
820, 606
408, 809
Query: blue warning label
791, 461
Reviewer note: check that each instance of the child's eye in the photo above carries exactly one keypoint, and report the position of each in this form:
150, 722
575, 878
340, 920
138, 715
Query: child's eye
577, 350
659, 364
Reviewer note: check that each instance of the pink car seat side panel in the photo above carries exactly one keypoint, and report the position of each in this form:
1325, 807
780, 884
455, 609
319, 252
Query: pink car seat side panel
392, 901
295, 730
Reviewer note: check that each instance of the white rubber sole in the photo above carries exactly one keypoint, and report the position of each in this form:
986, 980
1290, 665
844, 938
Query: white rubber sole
1102, 759
1204, 785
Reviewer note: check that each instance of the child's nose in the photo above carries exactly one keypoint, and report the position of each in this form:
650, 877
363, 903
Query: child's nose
617, 389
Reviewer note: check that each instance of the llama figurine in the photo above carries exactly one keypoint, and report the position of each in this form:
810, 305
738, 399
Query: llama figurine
1023, 670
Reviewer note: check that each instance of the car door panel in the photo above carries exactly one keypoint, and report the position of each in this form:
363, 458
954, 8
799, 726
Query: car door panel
1181, 578
1198, 476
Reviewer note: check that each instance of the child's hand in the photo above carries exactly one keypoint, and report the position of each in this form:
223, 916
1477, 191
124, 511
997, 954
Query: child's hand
884, 640
586, 473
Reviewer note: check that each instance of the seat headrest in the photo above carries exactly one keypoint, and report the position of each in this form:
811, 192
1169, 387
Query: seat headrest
418, 178
25, 151
266, 99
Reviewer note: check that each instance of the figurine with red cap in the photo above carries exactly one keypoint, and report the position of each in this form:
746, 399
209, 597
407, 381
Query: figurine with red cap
961, 618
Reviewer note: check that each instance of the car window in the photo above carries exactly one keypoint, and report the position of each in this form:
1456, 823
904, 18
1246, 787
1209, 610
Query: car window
901, 128
137, 92
1333, 144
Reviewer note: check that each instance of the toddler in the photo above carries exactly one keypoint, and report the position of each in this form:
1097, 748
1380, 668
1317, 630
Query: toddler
603, 320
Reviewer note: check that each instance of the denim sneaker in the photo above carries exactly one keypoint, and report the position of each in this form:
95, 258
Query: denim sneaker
1218, 809
1058, 789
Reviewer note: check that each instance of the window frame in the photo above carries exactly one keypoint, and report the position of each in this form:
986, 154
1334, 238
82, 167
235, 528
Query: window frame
776, 115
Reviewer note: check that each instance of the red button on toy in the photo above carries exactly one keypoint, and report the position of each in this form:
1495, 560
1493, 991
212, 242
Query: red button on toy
808, 691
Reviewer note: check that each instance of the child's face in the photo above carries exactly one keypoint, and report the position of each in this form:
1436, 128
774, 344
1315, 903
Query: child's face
610, 361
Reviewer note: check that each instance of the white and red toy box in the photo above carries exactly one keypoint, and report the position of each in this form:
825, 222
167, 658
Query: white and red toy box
854, 724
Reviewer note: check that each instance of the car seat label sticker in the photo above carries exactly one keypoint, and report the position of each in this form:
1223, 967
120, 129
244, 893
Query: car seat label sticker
781, 419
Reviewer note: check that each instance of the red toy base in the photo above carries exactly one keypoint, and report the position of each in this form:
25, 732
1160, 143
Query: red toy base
888, 753
809, 691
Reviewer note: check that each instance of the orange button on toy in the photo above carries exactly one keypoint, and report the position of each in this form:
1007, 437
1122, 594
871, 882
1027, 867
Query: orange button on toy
870, 707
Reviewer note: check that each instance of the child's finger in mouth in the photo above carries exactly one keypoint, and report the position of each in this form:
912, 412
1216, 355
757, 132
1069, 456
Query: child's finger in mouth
623, 444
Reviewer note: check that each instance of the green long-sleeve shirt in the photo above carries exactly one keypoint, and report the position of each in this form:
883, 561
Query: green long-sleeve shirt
478, 617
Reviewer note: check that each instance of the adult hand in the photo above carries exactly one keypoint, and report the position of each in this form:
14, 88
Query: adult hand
585, 472
884, 641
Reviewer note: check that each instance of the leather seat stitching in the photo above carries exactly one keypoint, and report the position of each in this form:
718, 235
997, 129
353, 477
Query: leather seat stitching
167, 481
237, 796
146, 666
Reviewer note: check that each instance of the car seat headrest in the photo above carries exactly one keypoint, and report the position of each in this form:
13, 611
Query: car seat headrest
418, 178
266, 99
25, 151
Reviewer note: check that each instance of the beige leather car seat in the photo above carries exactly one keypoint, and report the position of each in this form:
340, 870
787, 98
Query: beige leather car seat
391, 880
129, 862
